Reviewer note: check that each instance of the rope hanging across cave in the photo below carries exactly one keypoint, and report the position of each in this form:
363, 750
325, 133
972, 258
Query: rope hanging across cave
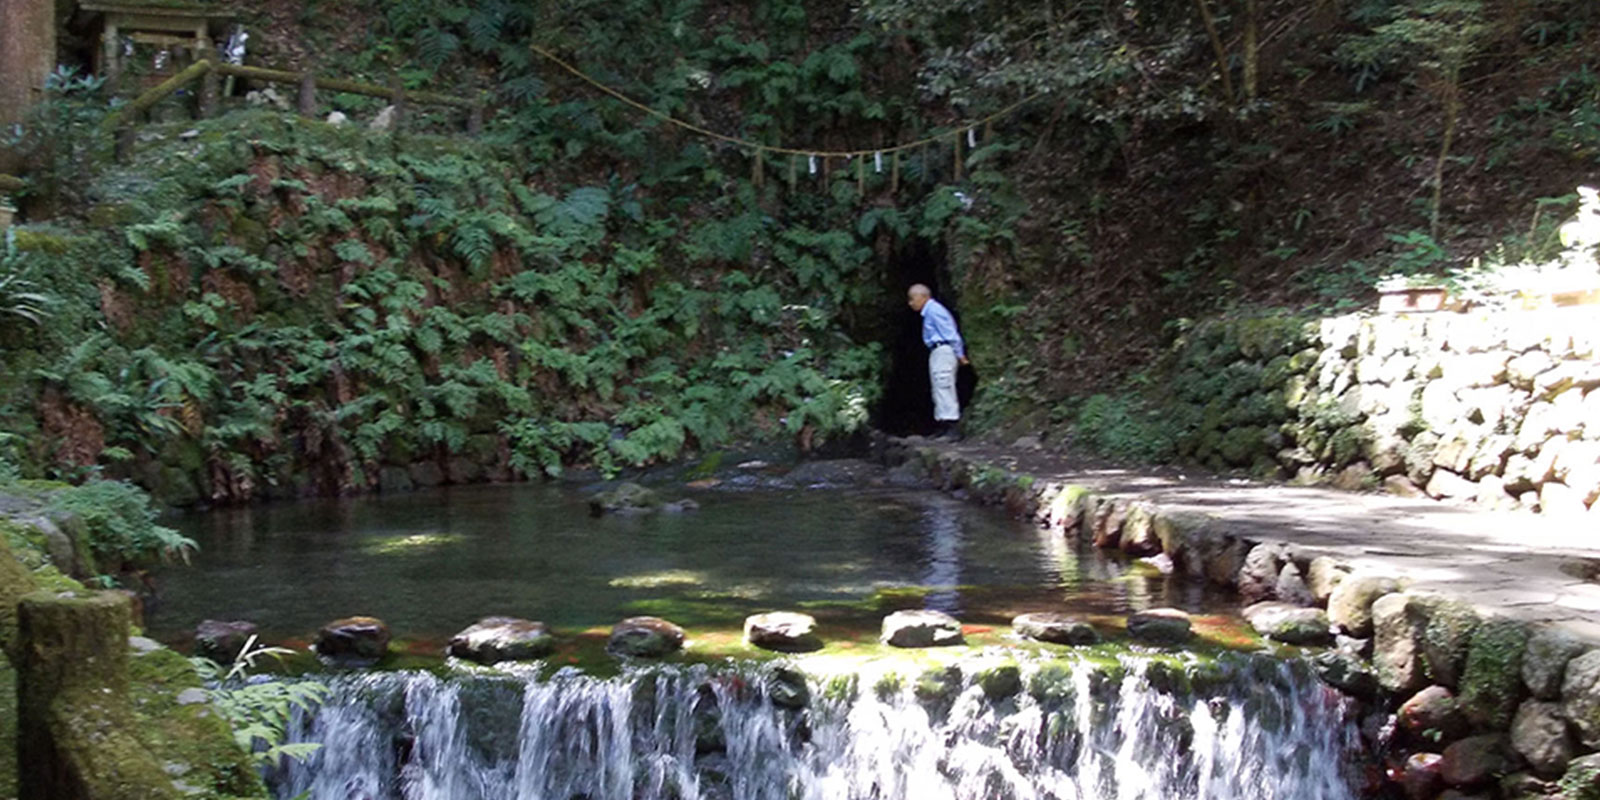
759, 151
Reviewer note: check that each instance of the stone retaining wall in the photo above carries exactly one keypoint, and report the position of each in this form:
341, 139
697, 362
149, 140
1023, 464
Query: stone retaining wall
1501, 409
1465, 703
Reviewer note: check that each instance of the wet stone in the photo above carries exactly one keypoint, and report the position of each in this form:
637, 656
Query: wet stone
220, 640
1345, 672
624, 498
1055, 628
1160, 626
644, 637
494, 639
1290, 624
353, 641
921, 628
783, 631
1324, 574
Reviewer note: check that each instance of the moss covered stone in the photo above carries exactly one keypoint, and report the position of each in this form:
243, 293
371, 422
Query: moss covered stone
999, 680
1491, 684
72, 689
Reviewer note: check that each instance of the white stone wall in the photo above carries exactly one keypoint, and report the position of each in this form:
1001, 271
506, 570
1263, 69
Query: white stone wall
1501, 409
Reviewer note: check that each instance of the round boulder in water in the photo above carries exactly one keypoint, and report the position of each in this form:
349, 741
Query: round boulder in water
222, 641
784, 631
644, 637
624, 498
1160, 626
1049, 626
1291, 624
494, 639
352, 641
921, 628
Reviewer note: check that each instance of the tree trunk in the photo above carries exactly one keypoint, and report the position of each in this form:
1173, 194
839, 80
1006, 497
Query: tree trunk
1452, 116
1252, 48
1221, 51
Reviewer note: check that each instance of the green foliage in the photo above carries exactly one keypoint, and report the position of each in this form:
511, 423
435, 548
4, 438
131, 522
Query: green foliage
19, 295
1125, 427
120, 523
259, 710
59, 140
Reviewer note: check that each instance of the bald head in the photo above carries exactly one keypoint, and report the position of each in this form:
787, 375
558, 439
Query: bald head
917, 296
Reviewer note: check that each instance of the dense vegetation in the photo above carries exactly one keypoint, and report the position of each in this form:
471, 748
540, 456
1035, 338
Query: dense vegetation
268, 305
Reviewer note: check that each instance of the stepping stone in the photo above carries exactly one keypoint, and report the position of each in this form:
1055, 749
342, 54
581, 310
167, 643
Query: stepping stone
352, 641
783, 631
1049, 626
495, 639
221, 641
1160, 626
644, 637
922, 628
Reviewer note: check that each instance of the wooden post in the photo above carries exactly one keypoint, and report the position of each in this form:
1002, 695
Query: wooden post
398, 93
210, 93
861, 176
111, 45
308, 95
894, 174
475, 120
123, 151
958, 156
794, 162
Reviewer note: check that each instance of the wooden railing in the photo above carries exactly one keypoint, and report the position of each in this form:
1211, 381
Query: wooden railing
123, 120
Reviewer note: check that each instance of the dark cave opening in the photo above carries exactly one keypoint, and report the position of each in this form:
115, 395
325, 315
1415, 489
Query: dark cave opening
906, 407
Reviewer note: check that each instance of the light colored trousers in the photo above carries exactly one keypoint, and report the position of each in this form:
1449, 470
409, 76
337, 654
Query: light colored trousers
942, 371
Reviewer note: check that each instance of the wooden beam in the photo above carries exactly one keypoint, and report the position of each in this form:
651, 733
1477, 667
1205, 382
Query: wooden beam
143, 102
339, 85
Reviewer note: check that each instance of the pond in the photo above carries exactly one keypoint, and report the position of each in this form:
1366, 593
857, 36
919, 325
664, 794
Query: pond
431, 563
996, 718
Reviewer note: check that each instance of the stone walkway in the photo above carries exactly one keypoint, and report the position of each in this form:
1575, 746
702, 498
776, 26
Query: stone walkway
1539, 569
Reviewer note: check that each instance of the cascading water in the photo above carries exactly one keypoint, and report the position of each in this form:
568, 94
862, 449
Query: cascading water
1250, 728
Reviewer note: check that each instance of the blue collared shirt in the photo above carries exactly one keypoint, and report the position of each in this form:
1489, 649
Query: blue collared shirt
939, 326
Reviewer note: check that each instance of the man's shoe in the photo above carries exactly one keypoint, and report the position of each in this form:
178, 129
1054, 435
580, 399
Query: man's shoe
948, 432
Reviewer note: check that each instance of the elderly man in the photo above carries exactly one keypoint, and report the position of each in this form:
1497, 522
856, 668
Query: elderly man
945, 352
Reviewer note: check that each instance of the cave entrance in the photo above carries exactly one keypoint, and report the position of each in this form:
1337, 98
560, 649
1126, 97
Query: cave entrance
906, 407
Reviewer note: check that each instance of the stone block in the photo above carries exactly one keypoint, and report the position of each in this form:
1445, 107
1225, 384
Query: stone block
1446, 485
1350, 602
1524, 370
1399, 626
1401, 486
1324, 574
1539, 734
1557, 499
1544, 664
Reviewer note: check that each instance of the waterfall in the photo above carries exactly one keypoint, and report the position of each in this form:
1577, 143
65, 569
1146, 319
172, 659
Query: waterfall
1138, 728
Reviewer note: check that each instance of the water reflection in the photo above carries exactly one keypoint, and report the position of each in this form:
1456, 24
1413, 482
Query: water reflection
946, 541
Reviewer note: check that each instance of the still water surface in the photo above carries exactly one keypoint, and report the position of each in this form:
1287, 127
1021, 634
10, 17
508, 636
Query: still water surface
432, 562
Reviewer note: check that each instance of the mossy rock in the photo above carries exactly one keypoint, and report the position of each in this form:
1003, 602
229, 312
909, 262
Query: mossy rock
999, 681
1240, 446
189, 739
938, 685
1491, 684
1053, 685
